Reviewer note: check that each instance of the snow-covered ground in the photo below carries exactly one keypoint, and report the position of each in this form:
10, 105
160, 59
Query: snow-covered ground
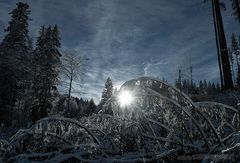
161, 123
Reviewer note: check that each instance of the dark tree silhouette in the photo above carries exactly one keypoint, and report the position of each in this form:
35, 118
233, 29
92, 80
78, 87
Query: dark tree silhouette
236, 9
47, 60
235, 49
15, 58
223, 56
72, 69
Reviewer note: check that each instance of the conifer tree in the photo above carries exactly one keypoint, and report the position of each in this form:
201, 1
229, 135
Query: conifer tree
201, 87
15, 58
194, 89
218, 88
214, 89
91, 107
238, 79
235, 48
185, 86
236, 9
107, 92
47, 60
205, 86
209, 88
178, 84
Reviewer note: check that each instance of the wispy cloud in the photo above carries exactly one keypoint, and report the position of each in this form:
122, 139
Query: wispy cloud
150, 65
127, 39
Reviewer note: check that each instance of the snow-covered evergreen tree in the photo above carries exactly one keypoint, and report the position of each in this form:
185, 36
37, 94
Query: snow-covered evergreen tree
107, 92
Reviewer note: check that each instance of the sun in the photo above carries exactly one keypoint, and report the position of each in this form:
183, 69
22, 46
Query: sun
125, 98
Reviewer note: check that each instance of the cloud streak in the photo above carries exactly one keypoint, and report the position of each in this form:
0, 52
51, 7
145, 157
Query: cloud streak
127, 39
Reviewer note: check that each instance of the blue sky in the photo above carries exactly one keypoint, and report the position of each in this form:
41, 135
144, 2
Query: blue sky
125, 39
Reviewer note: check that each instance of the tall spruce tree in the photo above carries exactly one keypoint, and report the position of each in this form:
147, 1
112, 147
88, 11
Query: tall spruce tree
107, 92
47, 61
38, 85
15, 58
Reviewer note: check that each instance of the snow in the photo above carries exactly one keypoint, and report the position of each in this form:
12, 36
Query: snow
160, 124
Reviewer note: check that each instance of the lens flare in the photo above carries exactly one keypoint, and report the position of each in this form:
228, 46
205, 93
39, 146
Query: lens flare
125, 98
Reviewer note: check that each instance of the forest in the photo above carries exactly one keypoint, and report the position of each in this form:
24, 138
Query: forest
146, 120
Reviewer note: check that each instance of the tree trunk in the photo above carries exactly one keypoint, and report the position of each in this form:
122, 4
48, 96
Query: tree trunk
69, 92
217, 43
233, 72
227, 76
